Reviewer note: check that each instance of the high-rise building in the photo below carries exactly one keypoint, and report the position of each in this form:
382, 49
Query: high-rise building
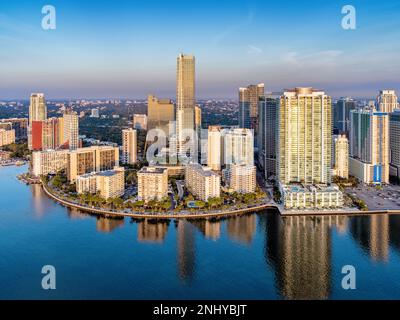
160, 112
71, 129
152, 183
45, 134
140, 121
37, 108
248, 106
202, 182
238, 146
241, 178
369, 145
305, 150
395, 143
341, 114
109, 184
91, 159
49, 161
185, 107
340, 156
268, 112
305, 137
37, 112
129, 146
387, 101
215, 148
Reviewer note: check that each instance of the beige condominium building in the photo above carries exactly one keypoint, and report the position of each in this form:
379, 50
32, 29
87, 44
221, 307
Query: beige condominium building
7, 137
129, 146
238, 146
185, 104
369, 146
202, 182
241, 178
340, 156
91, 159
215, 148
152, 183
109, 184
71, 129
160, 112
387, 101
305, 149
37, 108
49, 161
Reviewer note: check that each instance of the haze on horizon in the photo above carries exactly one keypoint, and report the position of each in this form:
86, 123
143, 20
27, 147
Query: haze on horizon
128, 49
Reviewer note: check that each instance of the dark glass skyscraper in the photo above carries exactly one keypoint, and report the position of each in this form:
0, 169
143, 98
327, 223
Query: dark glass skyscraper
341, 114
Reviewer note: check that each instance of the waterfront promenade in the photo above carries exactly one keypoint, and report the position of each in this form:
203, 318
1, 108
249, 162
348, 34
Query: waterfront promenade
215, 213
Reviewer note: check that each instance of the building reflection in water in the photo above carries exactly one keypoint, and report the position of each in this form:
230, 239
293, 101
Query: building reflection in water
74, 213
107, 225
394, 233
153, 231
242, 228
299, 251
372, 234
211, 229
38, 201
186, 255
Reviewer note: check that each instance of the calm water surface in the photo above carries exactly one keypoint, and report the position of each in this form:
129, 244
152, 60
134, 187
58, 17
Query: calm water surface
259, 256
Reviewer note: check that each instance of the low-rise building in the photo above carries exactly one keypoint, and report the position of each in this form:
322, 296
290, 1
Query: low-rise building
202, 182
152, 183
7, 137
5, 155
298, 196
109, 184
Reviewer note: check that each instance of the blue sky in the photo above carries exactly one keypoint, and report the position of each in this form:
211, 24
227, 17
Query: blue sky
128, 49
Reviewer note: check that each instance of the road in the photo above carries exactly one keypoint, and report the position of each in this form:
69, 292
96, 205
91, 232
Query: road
180, 184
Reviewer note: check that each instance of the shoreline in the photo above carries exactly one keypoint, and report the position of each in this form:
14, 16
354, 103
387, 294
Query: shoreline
282, 212
159, 215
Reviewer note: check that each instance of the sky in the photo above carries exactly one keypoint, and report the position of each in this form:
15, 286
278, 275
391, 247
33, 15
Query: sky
128, 49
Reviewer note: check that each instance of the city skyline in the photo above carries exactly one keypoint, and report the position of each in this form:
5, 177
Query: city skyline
121, 59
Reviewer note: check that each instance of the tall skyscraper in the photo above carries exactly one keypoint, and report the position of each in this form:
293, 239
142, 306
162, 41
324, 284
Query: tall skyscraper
37, 112
369, 145
37, 108
340, 156
395, 143
248, 106
305, 137
341, 114
129, 146
185, 106
387, 101
268, 112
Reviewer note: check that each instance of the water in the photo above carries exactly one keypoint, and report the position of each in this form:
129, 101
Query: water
259, 256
